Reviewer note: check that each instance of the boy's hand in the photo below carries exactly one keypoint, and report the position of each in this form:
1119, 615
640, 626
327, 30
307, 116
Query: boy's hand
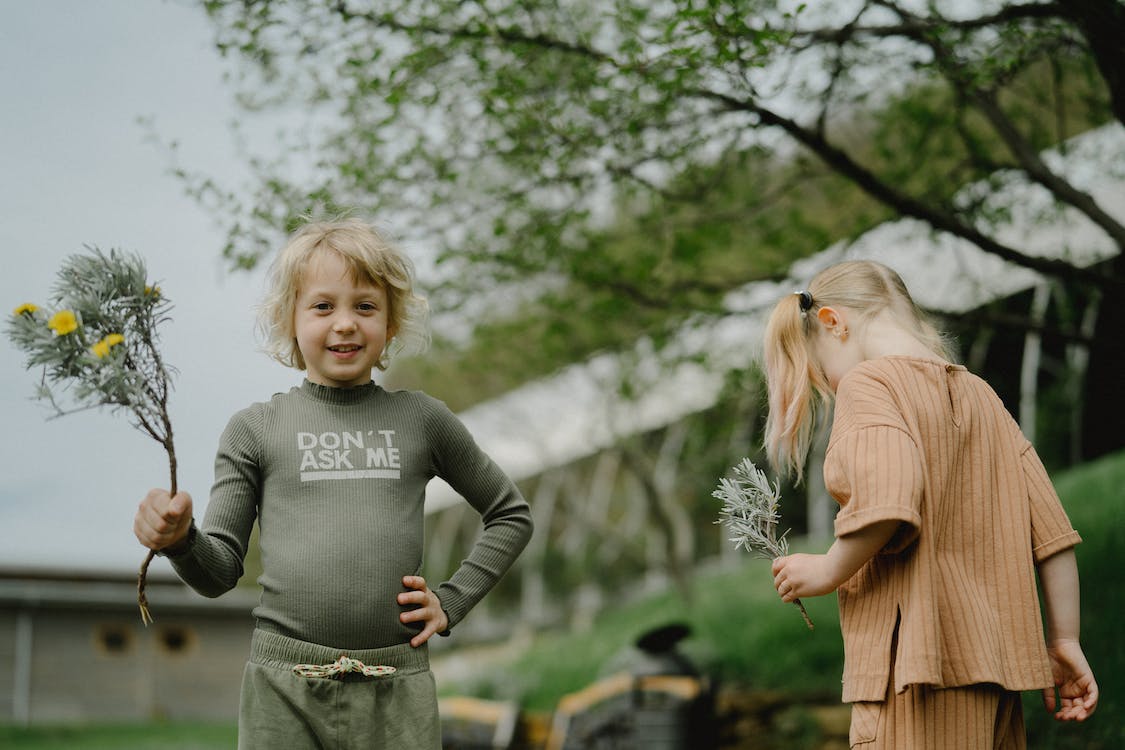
162, 521
1078, 692
428, 609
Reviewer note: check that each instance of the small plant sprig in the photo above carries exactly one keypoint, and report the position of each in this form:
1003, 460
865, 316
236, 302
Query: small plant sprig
751, 514
97, 347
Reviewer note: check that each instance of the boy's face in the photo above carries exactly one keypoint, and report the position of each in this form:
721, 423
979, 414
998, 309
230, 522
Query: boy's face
340, 323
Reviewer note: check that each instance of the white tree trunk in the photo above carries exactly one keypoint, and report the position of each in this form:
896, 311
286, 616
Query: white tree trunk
1078, 360
1032, 357
533, 577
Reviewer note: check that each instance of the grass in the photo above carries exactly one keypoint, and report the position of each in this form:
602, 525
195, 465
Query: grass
154, 736
1094, 496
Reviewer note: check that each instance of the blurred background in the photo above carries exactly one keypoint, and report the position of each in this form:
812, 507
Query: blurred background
603, 199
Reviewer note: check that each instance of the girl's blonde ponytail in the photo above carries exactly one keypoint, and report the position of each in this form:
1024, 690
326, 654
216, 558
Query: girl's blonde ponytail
797, 387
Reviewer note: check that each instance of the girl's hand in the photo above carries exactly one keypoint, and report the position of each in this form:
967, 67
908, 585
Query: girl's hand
800, 575
162, 520
1078, 691
796, 576
428, 609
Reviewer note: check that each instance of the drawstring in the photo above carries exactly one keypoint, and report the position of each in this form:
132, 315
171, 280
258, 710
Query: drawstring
342, 665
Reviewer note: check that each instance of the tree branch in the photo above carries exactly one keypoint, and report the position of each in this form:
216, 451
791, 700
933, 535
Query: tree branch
907, 205
1033, 165
918, 28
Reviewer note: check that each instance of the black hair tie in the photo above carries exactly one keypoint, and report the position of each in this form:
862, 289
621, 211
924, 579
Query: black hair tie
806, 300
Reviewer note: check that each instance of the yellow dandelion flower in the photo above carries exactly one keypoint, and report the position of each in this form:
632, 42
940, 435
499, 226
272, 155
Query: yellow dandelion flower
63, 322
26, 308
101, 349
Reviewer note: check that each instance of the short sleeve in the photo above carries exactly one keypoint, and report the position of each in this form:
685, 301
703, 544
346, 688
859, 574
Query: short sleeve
875, 474
1051, 531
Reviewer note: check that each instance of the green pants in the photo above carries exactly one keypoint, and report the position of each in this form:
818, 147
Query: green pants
282, 709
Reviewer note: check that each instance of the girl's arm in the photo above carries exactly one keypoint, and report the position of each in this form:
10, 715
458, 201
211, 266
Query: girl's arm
1077, 689
801, 575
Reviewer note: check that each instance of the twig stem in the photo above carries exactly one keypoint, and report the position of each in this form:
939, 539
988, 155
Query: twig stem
804, 614
142, 574
751, 514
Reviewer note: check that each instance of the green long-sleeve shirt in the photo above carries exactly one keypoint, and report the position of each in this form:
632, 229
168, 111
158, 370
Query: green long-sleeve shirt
336, 479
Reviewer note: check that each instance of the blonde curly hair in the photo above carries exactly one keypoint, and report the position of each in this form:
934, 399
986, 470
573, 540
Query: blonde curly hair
370, 257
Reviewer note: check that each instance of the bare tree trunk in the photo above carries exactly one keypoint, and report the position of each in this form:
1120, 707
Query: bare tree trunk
978, 350
1078, 360
603, 481
664, 516
665, 478
1032, 357
533, 577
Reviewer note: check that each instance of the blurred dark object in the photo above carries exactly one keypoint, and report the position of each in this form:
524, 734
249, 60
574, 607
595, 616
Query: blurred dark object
655, 653
474, 724
652, 699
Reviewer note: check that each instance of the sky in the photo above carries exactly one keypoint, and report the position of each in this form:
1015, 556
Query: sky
78, 169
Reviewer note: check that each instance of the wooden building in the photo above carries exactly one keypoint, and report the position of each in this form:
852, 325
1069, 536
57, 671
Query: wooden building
73, 649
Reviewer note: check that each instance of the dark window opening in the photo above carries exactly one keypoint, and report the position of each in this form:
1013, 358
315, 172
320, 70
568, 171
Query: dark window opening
114, 639
176, 640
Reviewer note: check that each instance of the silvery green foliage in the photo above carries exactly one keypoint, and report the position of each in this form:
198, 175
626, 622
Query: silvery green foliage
111, 301
750, 511
97, 346
751, 514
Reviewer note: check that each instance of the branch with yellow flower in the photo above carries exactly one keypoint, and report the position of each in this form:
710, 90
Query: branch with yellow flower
99, 348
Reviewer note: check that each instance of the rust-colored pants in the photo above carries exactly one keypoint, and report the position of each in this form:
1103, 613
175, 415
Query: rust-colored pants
975, 717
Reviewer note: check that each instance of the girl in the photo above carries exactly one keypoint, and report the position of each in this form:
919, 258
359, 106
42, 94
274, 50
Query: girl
945, 512
334, 472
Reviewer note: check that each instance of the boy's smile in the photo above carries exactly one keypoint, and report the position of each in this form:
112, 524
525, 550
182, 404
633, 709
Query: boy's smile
340, 322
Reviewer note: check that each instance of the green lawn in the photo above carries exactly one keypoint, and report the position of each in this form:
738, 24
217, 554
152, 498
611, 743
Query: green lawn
1094, 495
156, 736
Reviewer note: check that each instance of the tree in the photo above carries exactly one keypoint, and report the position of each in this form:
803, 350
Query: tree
505, 129
620, 165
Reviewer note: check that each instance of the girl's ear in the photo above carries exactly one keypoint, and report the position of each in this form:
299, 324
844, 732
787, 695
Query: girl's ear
829, 318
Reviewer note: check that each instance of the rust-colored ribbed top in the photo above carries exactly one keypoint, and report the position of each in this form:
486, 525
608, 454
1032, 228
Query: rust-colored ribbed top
931, 445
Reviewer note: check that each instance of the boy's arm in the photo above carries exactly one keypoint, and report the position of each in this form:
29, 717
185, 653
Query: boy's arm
802, 575
505, 515
507, 528
1077, 689
210, 561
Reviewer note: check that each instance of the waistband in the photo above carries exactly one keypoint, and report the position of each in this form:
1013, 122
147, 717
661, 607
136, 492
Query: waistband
282, 652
